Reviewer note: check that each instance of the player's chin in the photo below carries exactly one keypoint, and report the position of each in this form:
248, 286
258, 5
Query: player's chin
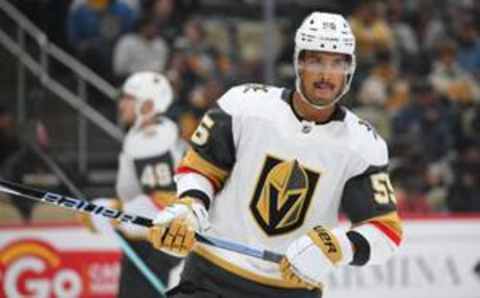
322, 100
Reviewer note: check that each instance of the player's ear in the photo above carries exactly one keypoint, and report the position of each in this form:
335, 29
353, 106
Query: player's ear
147, 107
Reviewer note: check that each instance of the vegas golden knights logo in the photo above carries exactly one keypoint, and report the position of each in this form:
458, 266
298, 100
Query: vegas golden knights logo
282, 195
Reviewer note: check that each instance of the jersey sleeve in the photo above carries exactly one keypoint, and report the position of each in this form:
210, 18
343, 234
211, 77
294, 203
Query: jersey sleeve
127, 185
207, 165
369, 202
212, 152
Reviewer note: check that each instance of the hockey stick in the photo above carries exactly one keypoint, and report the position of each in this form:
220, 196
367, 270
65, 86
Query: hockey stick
87, 207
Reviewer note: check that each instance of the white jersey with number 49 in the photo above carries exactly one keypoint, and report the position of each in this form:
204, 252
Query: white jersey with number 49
274, 177
146, 168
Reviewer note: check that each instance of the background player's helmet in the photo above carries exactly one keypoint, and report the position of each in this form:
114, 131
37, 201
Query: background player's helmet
326, 32
144, 86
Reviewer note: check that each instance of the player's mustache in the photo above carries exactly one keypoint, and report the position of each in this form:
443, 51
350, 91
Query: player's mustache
323, 84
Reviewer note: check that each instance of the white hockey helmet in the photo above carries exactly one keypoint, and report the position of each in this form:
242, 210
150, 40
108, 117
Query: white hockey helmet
325, 32
148, 85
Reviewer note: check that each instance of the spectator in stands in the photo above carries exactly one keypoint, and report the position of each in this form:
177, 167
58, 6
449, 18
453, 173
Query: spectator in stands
204, 95
169, 15
194, 61
449, 79
179, 75
133, 4
428, 25
376, 91
384, 87
140, 51
476, 13
201, 56
93, 28
422, 183
426, 121
468, 53
464, 194
438, 176
372, 33
469, 124
412, 200
407, 47
429, 29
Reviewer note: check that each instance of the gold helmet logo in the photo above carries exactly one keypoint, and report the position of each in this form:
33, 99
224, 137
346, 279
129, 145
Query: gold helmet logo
282, 195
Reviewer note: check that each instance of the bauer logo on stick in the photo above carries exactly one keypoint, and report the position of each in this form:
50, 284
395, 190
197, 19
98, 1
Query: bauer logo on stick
85, 206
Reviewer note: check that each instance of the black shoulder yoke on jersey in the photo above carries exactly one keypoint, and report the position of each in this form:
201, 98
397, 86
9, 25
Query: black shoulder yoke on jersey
219, 148
358, 200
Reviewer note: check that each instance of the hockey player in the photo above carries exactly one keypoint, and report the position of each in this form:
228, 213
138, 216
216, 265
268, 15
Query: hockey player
151, 151
274, 167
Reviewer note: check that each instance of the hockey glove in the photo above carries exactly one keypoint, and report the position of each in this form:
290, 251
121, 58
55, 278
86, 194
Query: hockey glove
175, 227
291, 277
311, 257
94, 223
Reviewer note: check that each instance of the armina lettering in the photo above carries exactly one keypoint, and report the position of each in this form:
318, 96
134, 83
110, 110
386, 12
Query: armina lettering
400, 272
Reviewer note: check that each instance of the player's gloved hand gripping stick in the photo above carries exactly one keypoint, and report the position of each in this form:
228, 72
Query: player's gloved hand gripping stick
96, 210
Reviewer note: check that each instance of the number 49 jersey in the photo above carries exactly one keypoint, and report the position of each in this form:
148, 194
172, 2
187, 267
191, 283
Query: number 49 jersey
276, 177
148, 161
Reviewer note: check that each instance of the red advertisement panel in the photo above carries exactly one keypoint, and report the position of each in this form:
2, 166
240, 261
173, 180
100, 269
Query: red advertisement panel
39, 264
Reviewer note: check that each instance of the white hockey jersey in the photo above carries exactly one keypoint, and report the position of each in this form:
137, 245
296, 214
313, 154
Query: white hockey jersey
146, 168
277, 176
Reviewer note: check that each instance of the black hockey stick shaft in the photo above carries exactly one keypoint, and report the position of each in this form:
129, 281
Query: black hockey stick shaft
110, 213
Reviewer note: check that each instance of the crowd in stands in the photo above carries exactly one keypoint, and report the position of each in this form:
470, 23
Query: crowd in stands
417, 78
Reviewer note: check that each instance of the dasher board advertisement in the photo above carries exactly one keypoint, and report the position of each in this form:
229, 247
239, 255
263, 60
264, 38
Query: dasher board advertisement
57, 261
439, 258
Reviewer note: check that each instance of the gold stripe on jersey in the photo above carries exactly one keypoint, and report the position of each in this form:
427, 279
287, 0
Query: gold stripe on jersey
327, 242
194, 161
391, 220
389, 223
268, 281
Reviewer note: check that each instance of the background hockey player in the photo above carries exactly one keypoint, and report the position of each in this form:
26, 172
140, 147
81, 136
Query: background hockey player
274, 167
151, 151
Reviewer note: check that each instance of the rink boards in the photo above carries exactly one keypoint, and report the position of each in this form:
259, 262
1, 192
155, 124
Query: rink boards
438, 259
